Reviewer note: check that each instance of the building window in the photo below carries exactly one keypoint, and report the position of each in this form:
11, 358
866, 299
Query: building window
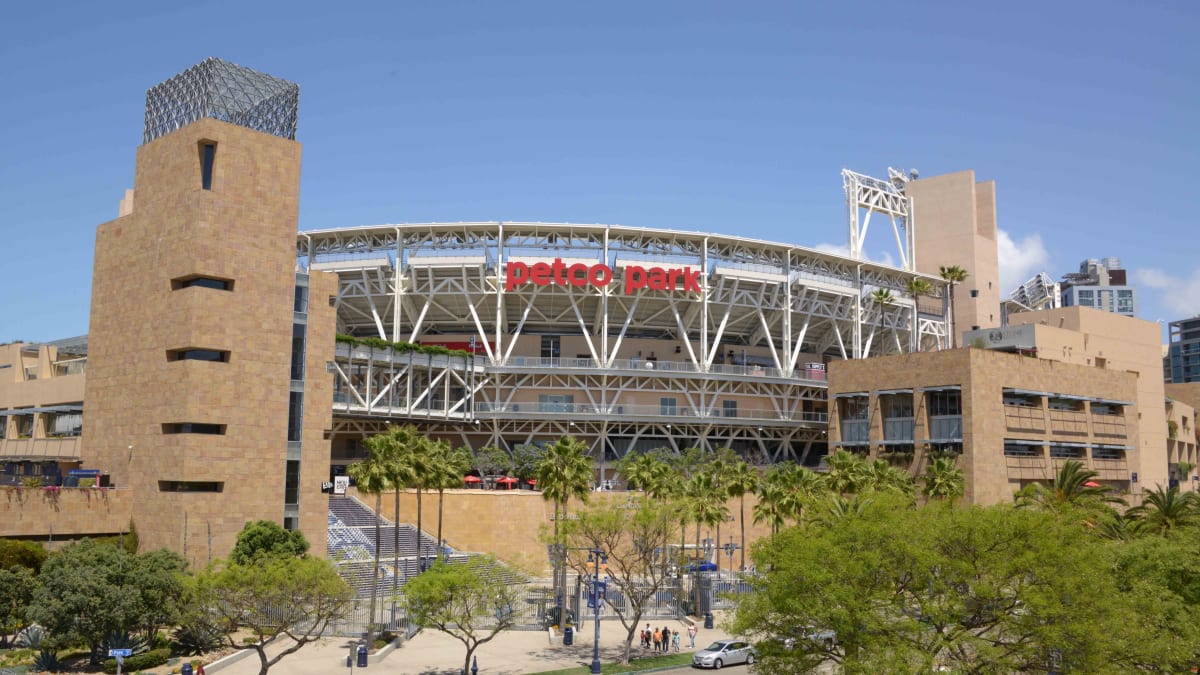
1066, 452
64, 424
729, 408
1022, 450
974, 293
1108, 453
214, 355
1066, 404
948, 402
190, 486
193, 428
291, 483
202, 282
297, 351
667, 406
295, 415
551, 348
300, 306
208, 157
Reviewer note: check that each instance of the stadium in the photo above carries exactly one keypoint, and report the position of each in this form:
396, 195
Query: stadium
628, 338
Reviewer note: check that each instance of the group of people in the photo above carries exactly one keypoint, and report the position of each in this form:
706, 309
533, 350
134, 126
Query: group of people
664, 640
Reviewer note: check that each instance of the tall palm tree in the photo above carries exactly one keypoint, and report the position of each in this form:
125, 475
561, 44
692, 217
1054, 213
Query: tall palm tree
943, 479
648, 473
449, 467
915, 288
881, 476
770, 509
421, 471
955, 275
394, 450
1165, 510
847, 472
742, 478
370, 477
882, 298
565, 471
704, 505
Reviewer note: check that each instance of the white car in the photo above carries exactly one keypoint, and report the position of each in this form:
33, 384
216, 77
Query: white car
724, 653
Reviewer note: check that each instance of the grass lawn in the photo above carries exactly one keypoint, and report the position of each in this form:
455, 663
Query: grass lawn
635, 665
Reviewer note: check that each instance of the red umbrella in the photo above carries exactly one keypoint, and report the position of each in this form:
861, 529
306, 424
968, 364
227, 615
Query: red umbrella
1091, 483
472, 479
532, 481
507, 480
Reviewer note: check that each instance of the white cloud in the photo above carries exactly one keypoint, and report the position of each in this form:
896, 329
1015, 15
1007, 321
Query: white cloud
1180, 295
1019, 260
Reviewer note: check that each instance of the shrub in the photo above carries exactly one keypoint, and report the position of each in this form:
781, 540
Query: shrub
197, 638
150, 659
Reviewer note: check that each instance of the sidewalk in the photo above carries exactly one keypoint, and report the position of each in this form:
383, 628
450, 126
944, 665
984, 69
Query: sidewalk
509, 653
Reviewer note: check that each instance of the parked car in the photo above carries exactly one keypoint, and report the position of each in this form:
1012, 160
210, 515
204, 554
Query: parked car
724, 653
698, 565
821, 639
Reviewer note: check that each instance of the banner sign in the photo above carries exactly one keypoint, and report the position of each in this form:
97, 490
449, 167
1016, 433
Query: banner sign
636, 277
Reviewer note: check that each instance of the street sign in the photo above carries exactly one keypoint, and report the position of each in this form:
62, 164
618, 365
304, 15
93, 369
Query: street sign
120, 652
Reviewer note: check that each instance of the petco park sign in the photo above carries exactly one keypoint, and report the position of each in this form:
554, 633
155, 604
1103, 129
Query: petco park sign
635, 277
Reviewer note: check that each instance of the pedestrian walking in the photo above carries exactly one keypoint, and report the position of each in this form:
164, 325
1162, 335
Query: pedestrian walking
692, 636
675, 642
657, 639
666, 643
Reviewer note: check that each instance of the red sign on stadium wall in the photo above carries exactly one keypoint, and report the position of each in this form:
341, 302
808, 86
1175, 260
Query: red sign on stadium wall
600, 275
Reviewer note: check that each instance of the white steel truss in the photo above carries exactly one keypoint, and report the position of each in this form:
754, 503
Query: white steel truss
865, 196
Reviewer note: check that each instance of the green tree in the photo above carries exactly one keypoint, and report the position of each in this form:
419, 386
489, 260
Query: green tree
848, 472
786, 490
468, 602
955, 275
80, 595
943, 479
155, 587
370, 476
565, 471
526, 458
647, 472
14, 552
912, 590
490, 460
741, 479
16, 592
266, 537
634, 541
1161, 575
274, 597
1165, 510
703, 504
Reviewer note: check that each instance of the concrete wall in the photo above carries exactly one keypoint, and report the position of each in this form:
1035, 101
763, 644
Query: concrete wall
44, 515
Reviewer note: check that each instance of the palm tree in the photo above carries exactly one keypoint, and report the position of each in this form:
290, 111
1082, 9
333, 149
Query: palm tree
421, 471
395, 450
770, 509
449, 467
847, 472
1163, 511
837, 507
565, 471
704, 505
943, 479
742, 478
955, 275
881, 476
882, 297
916, 287
648, 473
1073, 486
370, 477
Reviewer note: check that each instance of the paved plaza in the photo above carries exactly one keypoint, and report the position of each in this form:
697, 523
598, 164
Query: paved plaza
510, 653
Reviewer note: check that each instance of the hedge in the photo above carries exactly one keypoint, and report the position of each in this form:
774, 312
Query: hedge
401, 347
150, 659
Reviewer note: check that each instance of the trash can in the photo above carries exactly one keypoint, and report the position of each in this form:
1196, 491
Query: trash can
568, 636
362, 656
186, 669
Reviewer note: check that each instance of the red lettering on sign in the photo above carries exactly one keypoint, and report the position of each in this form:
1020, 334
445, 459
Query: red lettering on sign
600, 275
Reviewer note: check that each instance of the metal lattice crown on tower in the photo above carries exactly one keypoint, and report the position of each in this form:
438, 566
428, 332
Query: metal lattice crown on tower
223, 91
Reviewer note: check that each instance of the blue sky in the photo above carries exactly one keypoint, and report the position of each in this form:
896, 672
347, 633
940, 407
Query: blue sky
729, 117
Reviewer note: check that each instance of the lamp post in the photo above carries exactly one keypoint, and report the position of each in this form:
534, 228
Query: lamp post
596, 560
730, 548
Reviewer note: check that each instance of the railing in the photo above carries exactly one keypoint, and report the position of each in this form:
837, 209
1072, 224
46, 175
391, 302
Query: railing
40, 448
534, 408
898, 429
560, 363
1024, 418
945, 427
856, 431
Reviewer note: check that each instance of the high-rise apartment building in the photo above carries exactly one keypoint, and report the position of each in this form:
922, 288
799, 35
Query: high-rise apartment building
1100, 284
1182, 362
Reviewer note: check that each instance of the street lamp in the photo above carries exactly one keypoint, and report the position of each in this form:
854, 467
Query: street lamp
597, 560
730, 548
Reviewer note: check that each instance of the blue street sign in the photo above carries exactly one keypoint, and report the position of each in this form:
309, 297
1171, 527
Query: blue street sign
120, 652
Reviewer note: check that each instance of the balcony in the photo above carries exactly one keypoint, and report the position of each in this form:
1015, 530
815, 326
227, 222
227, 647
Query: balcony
1109, 425
1027, 468
530, 409
1072, 422
642, 365
1025, 418
40, 448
